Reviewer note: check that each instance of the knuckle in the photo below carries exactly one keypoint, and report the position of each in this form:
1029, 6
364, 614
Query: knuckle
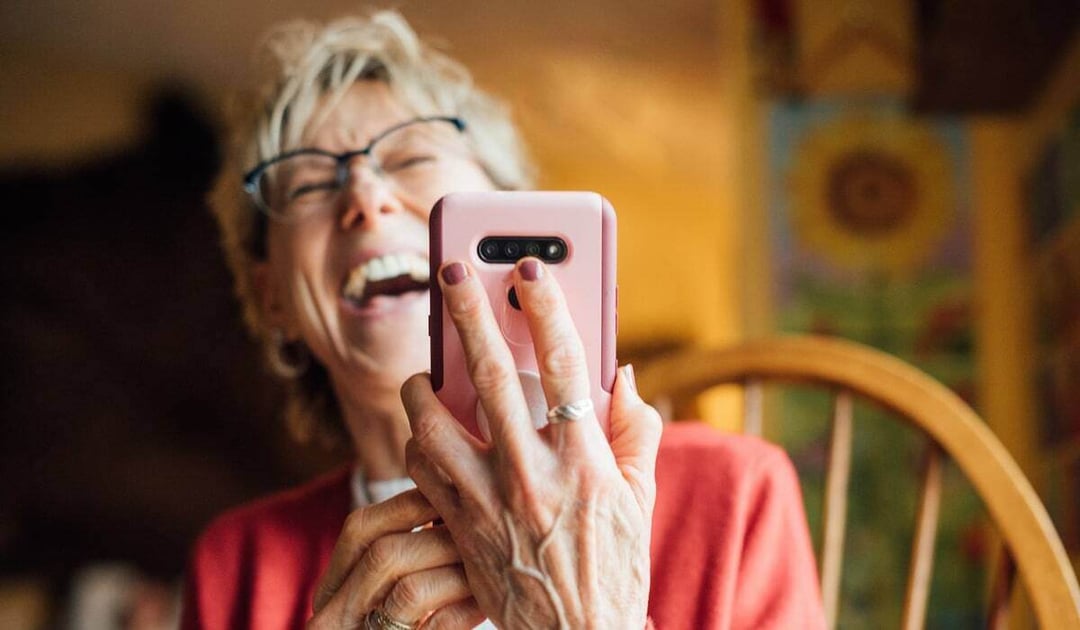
380, 555
356, 524
465, 307
408, 594
564, 359
544, 303
590, 479
425, 425
652, 418
490, 373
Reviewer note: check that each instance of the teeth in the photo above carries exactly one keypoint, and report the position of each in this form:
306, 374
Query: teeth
385, 267
354, 286
390, 263
419, 270
376, 269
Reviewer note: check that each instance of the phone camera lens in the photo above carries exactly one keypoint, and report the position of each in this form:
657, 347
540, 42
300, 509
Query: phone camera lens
512, 249
554, 251
489, 249
532, 248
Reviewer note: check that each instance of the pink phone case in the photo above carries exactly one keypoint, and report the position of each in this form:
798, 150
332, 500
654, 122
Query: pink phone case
586, 222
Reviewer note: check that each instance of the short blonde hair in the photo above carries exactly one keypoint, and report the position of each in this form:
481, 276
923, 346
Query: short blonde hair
303, 70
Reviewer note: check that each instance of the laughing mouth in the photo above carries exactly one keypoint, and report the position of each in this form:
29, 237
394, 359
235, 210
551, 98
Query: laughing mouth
390, 275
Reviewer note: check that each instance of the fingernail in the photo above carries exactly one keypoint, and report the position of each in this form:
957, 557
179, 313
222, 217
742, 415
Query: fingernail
454, 273
531, 269
628, 370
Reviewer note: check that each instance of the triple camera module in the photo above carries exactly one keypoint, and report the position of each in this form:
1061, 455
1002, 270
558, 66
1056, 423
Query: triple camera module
510, 249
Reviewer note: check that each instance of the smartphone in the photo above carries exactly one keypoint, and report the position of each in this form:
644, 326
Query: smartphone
573, 233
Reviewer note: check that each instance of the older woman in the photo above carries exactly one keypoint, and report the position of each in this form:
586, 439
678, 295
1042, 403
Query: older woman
334, 166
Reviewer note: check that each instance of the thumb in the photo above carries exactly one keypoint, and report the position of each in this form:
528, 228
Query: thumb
635, 432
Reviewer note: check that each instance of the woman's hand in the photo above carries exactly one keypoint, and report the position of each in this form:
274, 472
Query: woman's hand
379, 562
552, 525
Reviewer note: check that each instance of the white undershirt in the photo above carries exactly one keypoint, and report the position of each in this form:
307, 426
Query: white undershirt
368, 492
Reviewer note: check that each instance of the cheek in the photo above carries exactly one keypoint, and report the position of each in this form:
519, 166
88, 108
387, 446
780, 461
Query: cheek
473, 177
299, 252
463, 178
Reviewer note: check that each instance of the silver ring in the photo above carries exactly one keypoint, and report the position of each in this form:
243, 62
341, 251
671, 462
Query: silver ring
377, 619
570, 412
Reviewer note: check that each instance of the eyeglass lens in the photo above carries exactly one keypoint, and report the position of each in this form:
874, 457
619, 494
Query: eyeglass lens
406, 158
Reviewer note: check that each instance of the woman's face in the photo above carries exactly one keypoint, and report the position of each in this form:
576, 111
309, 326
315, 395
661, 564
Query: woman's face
350, 279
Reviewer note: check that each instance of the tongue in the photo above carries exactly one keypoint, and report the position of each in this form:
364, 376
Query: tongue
395, 286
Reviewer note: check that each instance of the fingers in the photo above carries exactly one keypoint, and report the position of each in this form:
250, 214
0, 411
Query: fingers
490, 364
461, 615
635, 436
416, 594
432, 482
387, 561
560, 355
437, 433
400, 514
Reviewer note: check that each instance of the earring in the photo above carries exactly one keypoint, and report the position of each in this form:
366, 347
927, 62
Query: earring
288, 359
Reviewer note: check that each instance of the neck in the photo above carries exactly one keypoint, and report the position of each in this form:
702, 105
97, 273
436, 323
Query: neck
379, 428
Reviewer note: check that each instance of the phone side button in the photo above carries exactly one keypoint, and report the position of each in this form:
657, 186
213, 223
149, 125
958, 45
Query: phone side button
429, 325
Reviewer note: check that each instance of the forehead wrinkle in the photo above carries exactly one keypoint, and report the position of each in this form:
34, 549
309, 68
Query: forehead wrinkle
352, 135
350, 120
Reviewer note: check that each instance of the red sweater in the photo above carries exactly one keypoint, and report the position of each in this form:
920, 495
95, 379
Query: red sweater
730, 547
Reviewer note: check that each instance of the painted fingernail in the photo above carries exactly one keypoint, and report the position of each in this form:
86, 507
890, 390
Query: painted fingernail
454, 273
628, 370
531, 269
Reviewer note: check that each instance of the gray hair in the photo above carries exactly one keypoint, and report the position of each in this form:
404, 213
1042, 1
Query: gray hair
303, 70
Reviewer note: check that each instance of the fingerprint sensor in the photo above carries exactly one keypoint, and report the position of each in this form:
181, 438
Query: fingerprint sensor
512, 322
534, 398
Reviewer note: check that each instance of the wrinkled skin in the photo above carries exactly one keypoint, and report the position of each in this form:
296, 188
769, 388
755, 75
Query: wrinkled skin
552, 526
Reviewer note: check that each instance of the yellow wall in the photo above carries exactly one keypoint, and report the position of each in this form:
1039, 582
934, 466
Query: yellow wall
653, 143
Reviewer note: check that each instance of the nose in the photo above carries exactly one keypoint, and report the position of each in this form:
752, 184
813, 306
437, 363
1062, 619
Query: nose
368, 199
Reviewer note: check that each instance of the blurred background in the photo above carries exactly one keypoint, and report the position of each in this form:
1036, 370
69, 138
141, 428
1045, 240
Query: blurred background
901, 172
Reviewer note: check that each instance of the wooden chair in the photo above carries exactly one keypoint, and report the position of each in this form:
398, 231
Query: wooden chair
1031, 545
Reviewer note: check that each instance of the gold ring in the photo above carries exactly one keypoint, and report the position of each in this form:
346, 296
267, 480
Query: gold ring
377, 619
570, 412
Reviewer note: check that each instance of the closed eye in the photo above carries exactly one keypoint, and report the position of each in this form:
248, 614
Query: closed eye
314, 187
407, 161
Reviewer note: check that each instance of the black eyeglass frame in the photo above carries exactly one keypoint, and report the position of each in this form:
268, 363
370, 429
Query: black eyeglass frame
252, 177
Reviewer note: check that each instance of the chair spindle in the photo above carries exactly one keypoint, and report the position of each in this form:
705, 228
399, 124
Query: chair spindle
835, 511
922, 551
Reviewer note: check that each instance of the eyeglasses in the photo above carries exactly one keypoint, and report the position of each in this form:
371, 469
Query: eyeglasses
298, 183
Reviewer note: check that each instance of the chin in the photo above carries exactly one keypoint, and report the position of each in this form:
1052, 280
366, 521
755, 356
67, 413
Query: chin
393, 359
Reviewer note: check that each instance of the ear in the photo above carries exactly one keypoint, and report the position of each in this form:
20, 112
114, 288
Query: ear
268, 294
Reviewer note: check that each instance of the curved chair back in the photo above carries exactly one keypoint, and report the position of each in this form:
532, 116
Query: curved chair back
1031, 545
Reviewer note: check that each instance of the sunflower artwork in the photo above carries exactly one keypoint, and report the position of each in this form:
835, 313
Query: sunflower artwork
869, 235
